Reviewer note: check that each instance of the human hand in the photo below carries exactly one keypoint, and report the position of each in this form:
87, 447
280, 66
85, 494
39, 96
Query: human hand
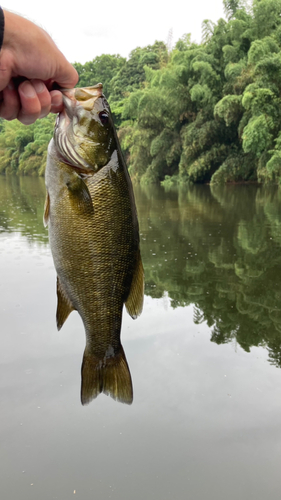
29, 100
29, 54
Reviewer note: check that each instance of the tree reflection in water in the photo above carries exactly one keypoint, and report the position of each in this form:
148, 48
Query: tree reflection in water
217, 248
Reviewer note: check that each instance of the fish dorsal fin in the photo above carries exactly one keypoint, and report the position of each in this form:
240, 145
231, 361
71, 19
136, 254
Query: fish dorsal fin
64, 306
46, 210
134, 302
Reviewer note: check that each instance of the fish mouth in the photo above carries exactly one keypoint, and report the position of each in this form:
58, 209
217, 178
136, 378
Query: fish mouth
84, 97
66, 140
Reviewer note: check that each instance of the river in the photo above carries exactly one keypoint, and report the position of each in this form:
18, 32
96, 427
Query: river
205, 356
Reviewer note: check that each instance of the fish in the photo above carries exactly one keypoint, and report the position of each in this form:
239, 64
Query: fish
93, 230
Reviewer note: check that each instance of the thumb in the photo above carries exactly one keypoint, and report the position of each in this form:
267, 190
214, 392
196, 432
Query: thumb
66, 76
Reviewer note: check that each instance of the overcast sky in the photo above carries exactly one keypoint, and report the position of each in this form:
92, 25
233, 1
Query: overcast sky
87, 28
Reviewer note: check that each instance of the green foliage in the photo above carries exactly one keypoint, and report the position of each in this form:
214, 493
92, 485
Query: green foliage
182, 116
184, 42
131, 76
236, 168
230, 109
101, 69
208, 112
256, 136
207, 30
273, 171
262, 48
230, 7
266, 16
23, 149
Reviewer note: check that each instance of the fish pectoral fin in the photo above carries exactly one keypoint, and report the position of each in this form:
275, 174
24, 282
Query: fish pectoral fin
79, 193
64, 306
46, 210
108, 375
134, 302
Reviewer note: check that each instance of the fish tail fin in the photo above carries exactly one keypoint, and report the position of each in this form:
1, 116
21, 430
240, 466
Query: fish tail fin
109, 375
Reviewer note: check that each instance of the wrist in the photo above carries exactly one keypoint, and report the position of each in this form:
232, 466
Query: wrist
2, 25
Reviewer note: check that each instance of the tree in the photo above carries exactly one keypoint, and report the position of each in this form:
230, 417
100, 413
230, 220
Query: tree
102, 69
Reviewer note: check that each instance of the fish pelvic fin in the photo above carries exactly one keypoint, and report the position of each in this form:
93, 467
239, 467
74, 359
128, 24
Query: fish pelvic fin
64, 306
46, 210
110, 375
134, 302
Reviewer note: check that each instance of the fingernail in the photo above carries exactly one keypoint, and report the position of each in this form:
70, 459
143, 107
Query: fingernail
39, 86
27, 89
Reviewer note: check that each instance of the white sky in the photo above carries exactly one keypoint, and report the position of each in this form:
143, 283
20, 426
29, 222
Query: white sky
87, 28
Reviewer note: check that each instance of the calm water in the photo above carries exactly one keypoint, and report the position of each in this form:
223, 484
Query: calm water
205, 356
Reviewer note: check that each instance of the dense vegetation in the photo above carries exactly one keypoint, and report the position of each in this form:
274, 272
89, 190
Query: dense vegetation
206, 112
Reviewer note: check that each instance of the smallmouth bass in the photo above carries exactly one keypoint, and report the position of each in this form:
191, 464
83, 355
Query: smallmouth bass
94, 237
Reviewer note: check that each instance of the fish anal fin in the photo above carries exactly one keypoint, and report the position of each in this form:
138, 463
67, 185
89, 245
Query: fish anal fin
64, 306
134, 302
46, 210
110, 375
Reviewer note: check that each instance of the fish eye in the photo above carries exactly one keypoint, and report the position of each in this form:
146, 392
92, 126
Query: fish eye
103, 116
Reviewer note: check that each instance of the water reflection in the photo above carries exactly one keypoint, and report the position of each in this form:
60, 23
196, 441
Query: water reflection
22, 206
206, 418
216, 248
219, 249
